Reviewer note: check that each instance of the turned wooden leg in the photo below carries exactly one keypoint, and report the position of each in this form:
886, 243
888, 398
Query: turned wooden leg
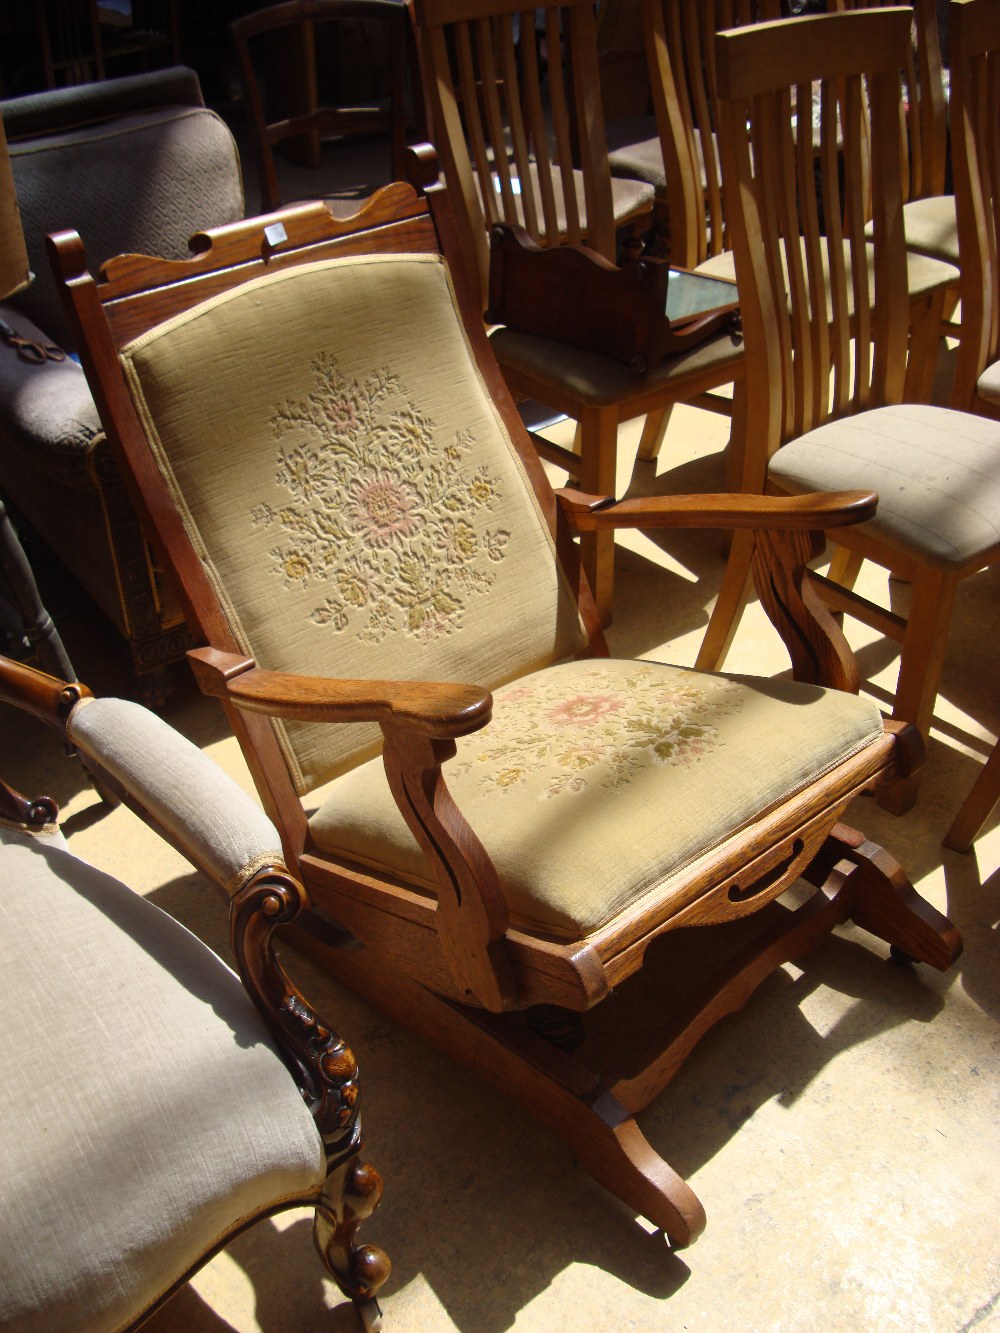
351, 1194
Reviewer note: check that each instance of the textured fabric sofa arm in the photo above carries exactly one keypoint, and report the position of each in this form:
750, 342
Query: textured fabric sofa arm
204, 813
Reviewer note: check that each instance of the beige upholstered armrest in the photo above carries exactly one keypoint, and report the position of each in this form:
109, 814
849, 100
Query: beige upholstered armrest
199, 808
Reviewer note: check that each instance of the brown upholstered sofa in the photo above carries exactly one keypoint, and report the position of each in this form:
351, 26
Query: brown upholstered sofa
133, 164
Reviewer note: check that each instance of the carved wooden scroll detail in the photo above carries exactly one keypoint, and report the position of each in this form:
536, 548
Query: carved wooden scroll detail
325, 1070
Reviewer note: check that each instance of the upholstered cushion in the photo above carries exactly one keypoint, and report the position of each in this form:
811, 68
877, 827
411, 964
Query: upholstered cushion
599, 381
989, 383
145, 1112
931, 228
937, 474
634, 150
351, 487
142, 182
47, 407
598, 781
629, 199
924, 274
183, 791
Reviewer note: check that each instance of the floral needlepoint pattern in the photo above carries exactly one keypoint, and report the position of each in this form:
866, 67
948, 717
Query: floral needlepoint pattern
612, 725
390, 527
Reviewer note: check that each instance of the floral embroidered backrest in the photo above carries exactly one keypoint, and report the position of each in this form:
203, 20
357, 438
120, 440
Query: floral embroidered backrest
353, 495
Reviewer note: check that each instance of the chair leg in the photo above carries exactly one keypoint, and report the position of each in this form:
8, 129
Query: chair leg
845, 567
887, 904
728, 610
926, 316
350, 1195
653, 431
920, 664
977, 806
598, 476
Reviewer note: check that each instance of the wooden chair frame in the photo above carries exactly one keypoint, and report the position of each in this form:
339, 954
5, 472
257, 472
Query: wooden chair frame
308, 121
455, 967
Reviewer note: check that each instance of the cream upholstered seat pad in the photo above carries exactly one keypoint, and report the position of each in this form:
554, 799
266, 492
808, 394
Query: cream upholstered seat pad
597, 781
344, 475
145, 1111
936, 471
924, 274
629, 198
600, 381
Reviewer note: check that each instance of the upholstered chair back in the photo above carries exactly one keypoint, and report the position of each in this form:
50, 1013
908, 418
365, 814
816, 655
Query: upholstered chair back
348, 485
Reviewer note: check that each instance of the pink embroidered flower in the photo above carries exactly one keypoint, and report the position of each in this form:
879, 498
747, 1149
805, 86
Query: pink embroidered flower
341, 414
583, 709
383, 508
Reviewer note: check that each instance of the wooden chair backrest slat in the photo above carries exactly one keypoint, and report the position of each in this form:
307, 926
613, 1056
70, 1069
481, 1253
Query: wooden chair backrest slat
521, 137
818, 342
974, 47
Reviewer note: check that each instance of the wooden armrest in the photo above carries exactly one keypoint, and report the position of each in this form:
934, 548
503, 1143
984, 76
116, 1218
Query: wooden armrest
431, 708
43, 696
793, 513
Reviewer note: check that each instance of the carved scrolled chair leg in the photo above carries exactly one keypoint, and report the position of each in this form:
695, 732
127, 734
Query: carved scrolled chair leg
327, 1073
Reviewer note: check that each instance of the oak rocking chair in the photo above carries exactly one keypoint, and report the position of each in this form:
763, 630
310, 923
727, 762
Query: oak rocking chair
374, 561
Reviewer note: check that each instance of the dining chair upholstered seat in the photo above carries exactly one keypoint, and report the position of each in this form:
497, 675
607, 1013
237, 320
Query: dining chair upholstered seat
616, 751
937, 473
988, 384
931, 227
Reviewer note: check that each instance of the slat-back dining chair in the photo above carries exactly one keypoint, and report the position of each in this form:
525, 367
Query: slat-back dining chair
975, 138
825, 394
513, 93
389, 599
974, 49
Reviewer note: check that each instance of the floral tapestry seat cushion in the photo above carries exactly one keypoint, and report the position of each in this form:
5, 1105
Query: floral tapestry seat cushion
598, 781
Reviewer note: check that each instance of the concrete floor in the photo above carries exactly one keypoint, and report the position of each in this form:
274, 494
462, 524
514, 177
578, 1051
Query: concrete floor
842, 1131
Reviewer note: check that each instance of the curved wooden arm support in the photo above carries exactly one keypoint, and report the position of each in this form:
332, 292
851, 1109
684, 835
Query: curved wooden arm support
431, 708
49, 700
788, 533
820, 510
325, 1070
472, 912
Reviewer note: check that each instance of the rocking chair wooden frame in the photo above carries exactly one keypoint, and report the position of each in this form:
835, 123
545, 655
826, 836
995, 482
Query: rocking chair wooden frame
455, 967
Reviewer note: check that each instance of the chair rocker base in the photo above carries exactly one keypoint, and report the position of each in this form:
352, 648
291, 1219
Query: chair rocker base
593, 1112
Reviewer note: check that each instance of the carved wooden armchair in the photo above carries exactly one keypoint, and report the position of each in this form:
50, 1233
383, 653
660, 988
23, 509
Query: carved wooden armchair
828, 398
375, 562
154, 1104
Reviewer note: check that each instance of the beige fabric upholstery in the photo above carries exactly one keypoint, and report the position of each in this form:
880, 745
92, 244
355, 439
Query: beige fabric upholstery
598, 781
599, 381
931, 228
145, 1112
218, 826
300, 466
924, 274
937, 474
988, 385
629, 198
